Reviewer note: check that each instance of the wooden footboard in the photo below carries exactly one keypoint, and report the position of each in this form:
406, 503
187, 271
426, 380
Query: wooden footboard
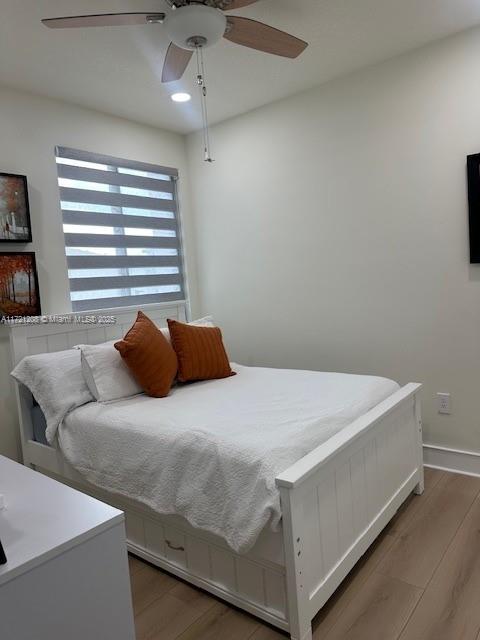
338, 498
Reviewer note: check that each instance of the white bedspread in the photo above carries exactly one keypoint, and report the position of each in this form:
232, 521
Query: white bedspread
210, 452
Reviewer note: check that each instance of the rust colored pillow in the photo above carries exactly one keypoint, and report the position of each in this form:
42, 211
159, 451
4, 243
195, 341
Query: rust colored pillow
150, 358
200, 352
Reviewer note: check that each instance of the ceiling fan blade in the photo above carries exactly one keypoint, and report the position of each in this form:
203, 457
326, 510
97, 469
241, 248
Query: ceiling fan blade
176, 61
103, 20
257, 35
238, 4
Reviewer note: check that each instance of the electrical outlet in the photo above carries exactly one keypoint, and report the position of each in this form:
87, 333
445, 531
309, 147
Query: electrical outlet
444, 403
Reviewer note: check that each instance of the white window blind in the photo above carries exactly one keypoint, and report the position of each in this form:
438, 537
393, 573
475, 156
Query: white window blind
121, 228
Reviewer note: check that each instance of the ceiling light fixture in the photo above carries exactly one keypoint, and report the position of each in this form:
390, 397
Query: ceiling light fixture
181, 97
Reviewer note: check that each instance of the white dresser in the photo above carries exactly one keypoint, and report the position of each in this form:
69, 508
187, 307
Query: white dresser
67, 572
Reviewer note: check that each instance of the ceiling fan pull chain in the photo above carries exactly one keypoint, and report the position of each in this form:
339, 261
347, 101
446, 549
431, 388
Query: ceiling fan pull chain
203, 98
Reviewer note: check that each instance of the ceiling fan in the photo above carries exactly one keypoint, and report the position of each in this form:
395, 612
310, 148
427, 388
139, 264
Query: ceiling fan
194, 24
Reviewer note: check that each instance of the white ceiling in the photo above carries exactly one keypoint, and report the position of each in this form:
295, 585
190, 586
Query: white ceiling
117, 70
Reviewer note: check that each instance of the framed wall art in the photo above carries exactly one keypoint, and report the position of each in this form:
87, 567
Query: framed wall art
19, 293
14, 209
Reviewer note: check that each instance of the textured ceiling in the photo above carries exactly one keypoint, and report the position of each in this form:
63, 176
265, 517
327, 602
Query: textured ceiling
117, 70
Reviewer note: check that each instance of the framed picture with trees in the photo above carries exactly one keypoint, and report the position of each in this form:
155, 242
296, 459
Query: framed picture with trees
14, 209
19, 293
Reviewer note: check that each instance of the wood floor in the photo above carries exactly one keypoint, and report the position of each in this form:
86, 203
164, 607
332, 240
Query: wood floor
419, 581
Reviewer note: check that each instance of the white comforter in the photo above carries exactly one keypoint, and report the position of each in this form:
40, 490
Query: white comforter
210, 452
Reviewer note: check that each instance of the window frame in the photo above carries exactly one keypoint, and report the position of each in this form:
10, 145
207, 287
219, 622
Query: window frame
159, 266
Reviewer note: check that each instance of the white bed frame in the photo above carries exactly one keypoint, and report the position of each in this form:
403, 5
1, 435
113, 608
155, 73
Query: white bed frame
335, 501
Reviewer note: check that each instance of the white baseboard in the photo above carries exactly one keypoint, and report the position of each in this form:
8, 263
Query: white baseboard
466, 462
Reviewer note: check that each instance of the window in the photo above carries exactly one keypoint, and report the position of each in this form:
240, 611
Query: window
121, 228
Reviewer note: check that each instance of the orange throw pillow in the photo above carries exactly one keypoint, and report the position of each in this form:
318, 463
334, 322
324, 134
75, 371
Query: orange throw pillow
150, 358
200, 352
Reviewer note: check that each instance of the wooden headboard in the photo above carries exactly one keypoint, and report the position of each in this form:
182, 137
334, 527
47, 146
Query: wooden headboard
56, 333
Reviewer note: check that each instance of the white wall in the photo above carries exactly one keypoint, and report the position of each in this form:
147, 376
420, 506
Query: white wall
30, 127
332, 230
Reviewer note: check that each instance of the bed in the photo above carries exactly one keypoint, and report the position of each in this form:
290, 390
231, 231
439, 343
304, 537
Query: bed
337, 472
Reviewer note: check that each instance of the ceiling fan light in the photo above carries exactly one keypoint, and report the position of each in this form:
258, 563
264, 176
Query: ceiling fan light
190, 22
181, 97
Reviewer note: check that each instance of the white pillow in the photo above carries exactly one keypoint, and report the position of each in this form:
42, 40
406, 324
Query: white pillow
106, 374
207, 321
56, 382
